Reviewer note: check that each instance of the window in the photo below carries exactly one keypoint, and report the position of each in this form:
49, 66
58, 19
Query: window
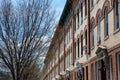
91, 3
85, 8
92, 37
69, 35
86, 41
86, 72
96, 70
78, 18
81, 45
98, 31
92, 71
118, 66
116, 15
74, 22
106, 23
111, 71
78, 47
75, 51
81, 13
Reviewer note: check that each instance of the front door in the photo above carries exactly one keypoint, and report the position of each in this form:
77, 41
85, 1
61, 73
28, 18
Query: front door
103, 71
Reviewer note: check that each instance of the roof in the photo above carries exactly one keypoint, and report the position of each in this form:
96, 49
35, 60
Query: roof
65, 14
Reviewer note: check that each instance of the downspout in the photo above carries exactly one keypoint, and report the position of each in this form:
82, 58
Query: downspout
88, 27
64, 47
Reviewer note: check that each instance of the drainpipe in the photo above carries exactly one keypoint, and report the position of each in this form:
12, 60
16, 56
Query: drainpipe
64, 46
88, 27
73, 58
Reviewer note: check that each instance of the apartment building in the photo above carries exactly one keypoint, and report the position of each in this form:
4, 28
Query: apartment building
86, 43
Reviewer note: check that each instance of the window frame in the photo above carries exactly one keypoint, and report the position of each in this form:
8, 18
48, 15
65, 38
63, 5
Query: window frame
106, 30
92, 37
98, 30
116, 15
81, 13
81, 45
78, 44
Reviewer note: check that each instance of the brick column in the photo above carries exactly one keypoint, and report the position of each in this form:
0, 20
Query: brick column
115, 75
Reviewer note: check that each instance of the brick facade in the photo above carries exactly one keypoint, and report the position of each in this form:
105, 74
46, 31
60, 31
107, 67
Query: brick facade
66, 44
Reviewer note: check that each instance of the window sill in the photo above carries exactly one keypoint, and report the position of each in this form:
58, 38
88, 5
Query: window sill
116, 31
92, 47
97, 1
85, 17
98, 43
91, 8
106, 38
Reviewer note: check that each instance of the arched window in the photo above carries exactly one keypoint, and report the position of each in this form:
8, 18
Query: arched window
116, 15
98, 30
92, 37
81, 13
106, 23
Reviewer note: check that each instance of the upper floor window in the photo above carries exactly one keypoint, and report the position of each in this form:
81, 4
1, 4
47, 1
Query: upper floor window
106, 23
78, 47
85, 8
92, 37
81, 45
81, 13
91, 3
98, 31
74, 22
116, 15
78, 18
75, 52
86, 41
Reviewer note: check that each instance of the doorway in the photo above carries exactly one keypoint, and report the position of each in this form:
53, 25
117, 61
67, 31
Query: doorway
103, 70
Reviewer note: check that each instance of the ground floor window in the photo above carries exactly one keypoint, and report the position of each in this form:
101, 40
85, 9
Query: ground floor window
111, 69
92, 71
118, 66
96, 70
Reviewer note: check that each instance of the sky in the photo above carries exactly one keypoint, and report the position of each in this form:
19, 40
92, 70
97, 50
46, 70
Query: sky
58, 5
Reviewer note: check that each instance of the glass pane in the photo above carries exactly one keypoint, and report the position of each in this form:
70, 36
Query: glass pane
118, 61
111, 71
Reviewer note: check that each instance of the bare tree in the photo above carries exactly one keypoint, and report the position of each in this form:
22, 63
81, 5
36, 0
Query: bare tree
25, 30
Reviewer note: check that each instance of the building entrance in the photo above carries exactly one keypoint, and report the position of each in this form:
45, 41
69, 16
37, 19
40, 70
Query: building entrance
103, 71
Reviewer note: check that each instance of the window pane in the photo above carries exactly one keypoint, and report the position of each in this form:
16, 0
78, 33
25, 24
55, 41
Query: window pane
92, 36
118, 62
96, 70
81, 45
111, 71
78, 47
116, 15
98, 30
106, 22
92, 71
